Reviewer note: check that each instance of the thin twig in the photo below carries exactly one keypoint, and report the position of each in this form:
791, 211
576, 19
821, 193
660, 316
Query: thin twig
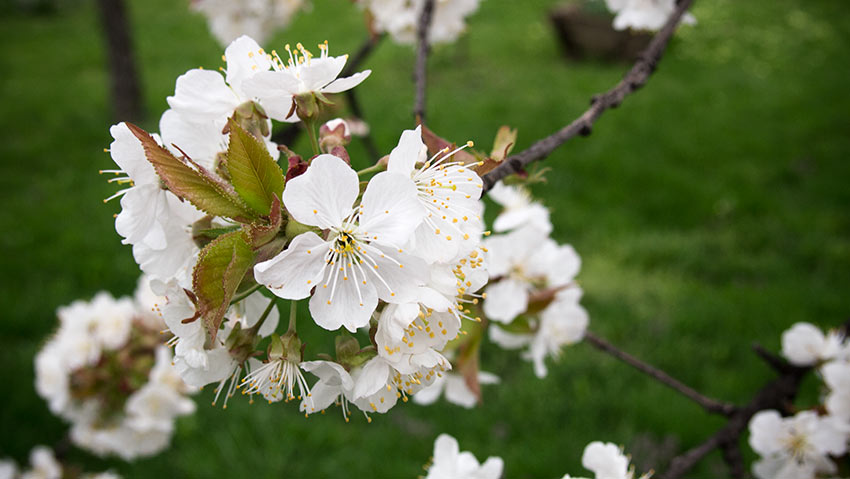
368, 141
357, 59
634, 79
361, 55
710, 405
422, 50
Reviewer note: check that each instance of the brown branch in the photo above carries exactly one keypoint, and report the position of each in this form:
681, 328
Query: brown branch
733, 458
422, 50
776, 394
126, 92
361, 55
634, 79
710, 405
357, 59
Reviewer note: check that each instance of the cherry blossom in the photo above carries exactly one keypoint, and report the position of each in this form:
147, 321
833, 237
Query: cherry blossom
361, 259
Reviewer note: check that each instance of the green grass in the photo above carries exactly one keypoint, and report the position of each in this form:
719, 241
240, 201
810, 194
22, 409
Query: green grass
710, 210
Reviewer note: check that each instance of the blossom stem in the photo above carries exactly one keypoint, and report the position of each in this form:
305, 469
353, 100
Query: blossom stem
377, 167
310, 124
293, 313
265, 314
247, 293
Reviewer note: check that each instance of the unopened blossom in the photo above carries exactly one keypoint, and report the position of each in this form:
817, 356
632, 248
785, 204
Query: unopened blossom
518, 209
301, 73
836, 375
644, 14
563, 322
361, 259
449, 462
259, 19
448, 192
805, 345
399, 18
455, 389
795, 447
521, 262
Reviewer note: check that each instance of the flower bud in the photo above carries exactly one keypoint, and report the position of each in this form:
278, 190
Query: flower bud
334, 133
252, 118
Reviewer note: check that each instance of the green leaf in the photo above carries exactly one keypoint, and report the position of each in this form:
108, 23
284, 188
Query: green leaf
221, 266
192, 183
254, 174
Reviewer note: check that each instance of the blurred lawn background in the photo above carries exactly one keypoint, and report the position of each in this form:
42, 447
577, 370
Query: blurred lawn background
710, 210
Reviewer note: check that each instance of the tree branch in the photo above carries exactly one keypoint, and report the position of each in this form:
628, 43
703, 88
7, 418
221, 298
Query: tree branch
774, 395
710, 405
778, 394
634, 79
422, 50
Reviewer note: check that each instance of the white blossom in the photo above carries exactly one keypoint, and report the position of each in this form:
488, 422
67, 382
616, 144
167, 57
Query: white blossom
449, 193
259, 19
301, 73
796, 447
520, 262
152, 219
561, 323
454, 387
518, 209
836, 375
450, 463
361, 260
399, 18
644, 14
805, 345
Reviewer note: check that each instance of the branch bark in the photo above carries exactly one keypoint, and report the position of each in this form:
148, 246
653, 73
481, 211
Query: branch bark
710, 405
124, 80
634, 79
422, 50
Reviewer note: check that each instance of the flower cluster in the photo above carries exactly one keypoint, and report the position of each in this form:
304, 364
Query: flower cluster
606, 460
229, 19
106, 371
800, 446
532, 297
644, 14
393, 251
399, 18
44, 465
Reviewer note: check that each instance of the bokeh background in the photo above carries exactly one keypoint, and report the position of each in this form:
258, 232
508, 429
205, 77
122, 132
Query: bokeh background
711, 210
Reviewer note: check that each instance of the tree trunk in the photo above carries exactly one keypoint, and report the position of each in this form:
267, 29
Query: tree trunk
124, 80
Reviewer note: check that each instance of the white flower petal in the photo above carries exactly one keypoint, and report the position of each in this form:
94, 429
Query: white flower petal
244, 60
407, 153
324, 195
203, 95
506, 300
297, 269
345, 302
342, 84
390, 210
